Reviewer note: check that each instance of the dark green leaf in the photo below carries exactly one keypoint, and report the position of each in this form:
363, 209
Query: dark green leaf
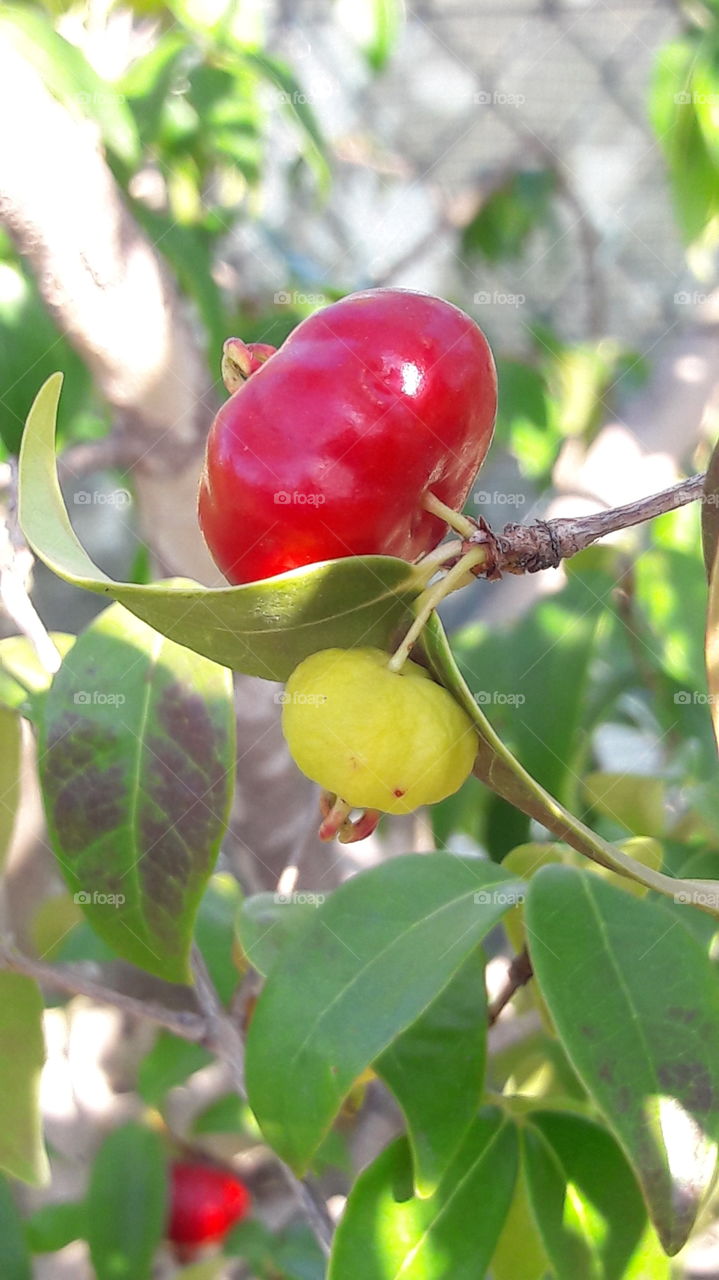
226, 1115
586, 1201
14, 1256
169, 1063
636, 1005
436, 1071
22, 1056
328, 1010
386, 1233
263, 628
215, 932
137, 772
127, 1204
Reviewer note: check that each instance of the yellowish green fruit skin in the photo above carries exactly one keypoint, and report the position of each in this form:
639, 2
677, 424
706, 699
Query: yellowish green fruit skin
377, 738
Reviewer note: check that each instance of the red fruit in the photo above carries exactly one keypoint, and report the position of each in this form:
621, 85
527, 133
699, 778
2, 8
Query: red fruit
205, 1203
329, 448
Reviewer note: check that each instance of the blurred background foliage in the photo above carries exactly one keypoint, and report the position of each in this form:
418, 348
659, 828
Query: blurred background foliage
278, 157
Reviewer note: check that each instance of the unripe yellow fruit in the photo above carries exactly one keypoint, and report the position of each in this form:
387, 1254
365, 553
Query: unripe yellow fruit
379, 739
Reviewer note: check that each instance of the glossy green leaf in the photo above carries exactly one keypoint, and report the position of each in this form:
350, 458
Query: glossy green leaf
635, 1002
127, 1204
586, 1201
137, 771
386, 1233
264, 628
54, 1226
169, 1062
328, 1010
268, 922
10, 758
14, 1256
22, 1056
436, 1071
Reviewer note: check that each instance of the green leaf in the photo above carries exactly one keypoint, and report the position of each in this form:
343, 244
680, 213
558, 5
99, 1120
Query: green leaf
22, 1056
264, 628
127, 1204
387, 1234
136, 768
10, 756
519, 1250
505, 221
54, 1226
229, 1114
16, 1262
22, 675
586, 1201
328, 1010
268, 922
387, 18
673, 113
436, 1071
635, 1002
215, 932
169, 1063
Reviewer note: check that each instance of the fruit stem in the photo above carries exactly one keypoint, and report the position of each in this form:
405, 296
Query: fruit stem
428, 565
455, 519
336, 822
431, 598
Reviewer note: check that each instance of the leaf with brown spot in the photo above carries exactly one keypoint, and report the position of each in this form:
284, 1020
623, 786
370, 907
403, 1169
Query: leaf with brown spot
137, 768
619, 967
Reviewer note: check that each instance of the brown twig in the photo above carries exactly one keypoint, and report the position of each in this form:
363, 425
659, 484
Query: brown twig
518, 975
523, 548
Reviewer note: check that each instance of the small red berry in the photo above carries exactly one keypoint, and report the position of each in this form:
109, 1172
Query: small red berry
329, 446
205, 1203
